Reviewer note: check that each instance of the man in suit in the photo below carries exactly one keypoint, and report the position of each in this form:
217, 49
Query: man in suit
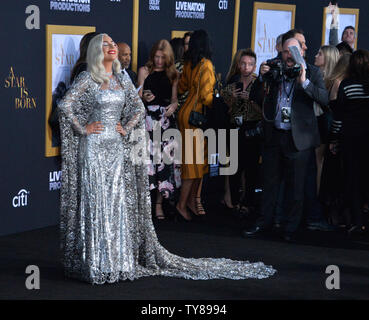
290, 131
124, 57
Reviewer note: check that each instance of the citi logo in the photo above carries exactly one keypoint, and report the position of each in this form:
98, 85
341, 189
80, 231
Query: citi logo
223, 4
54, 180
21, 199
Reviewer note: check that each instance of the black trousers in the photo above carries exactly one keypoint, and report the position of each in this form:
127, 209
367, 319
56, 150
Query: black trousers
355, 153
282, 161
249, 151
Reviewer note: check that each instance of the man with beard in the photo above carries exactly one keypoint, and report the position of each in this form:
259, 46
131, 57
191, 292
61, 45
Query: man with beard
288, 139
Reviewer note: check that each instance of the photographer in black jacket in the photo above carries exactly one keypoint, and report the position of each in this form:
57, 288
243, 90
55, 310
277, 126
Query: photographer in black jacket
290, 131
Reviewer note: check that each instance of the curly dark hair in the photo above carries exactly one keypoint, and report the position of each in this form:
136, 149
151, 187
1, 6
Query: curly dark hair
199, 47
178, 48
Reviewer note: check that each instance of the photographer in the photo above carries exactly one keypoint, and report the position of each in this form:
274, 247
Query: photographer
286, 92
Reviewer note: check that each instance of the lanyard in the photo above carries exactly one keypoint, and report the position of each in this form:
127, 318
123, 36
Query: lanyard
288, 94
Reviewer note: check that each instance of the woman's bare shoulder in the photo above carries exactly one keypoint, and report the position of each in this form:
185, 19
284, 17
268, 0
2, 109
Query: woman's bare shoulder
143, 71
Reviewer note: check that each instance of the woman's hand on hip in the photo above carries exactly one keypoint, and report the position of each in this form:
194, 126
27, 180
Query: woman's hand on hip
120, 129
94, 127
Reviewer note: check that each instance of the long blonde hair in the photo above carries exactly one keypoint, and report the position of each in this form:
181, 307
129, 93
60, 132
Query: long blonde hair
331, 56
95, 58
339, 71
170, 68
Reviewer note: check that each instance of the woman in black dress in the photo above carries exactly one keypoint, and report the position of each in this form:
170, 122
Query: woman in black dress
352, 110
158, 80
331, 189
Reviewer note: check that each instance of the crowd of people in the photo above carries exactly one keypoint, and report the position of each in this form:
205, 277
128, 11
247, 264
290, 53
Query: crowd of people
308, 126
107, 232
178, 76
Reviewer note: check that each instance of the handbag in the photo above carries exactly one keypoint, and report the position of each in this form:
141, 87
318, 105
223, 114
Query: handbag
254, 129
198, 119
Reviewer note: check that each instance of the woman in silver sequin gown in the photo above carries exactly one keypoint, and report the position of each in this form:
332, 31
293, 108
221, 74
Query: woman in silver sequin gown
107, 232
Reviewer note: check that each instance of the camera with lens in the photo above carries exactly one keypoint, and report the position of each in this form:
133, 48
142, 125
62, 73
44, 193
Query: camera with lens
278, 68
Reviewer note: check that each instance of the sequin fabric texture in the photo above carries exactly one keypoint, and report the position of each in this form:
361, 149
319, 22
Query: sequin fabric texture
107, 234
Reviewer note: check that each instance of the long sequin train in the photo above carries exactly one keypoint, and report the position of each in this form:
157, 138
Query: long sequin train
106, 226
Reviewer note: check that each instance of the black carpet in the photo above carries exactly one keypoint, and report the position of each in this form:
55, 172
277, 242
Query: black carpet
300, 267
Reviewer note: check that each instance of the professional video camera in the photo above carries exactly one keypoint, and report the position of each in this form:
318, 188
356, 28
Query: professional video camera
278, 68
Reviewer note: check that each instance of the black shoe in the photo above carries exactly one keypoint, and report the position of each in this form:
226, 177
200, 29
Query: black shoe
229, 210
320, 226
289, 237
179, 217
250, 232
355, 230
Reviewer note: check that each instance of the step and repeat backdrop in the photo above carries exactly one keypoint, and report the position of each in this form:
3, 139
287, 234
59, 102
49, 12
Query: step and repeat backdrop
40, 45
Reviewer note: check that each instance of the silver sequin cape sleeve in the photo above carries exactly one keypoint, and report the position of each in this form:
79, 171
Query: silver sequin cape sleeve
73, 114
149, 257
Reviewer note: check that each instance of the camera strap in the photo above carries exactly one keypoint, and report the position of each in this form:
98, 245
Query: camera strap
266, 87
288, 94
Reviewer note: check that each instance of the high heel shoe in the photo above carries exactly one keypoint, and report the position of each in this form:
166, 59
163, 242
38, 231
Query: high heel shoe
222, 202
231, 210
179, 217
355, 230
199, 208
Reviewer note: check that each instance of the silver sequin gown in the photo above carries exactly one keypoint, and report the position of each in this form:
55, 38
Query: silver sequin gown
107, 232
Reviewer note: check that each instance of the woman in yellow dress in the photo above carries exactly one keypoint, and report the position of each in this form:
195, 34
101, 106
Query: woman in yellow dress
198, 79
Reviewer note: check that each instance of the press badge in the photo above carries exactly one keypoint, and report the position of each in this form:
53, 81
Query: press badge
286, 114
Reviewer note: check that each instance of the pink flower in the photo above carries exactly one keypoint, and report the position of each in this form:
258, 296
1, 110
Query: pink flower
166, 186
153, 108
164, 122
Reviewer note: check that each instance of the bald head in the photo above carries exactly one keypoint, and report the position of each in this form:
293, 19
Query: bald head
286, 54
291, 42
124, 54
